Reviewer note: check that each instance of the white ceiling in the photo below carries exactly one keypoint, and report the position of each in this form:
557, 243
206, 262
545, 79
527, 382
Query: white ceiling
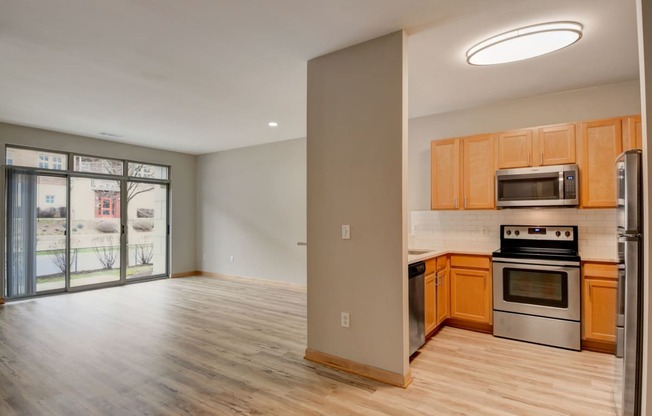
204, 75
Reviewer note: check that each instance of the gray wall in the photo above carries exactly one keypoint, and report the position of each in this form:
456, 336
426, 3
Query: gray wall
252, 206
577, 105
182, 188
356, 175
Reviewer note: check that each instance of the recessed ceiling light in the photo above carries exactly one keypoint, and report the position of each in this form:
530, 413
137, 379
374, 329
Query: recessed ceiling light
272, 124
524, 43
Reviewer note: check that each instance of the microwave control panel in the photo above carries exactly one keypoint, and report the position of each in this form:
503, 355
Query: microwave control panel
570, 181
522, 232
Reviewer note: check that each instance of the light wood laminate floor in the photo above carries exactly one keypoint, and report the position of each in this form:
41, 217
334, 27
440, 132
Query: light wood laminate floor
208, 346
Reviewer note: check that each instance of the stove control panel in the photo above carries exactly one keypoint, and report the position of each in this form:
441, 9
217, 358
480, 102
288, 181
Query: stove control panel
524, 232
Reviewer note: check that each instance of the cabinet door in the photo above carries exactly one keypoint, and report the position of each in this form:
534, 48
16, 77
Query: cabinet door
633, 133
514, 149
471, 295
600, 144
478, 171
445, 181
555, 145
430, 300
600, 309
443, 295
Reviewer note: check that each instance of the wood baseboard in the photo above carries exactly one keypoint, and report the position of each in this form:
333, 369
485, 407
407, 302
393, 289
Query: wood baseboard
470, 325
599, 346
2, 301
275, 283
186, 274
364, 370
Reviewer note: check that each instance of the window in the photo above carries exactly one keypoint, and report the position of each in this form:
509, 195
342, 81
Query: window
43, 162
141, 170
40, 159
57, 162
49, 199
98, 165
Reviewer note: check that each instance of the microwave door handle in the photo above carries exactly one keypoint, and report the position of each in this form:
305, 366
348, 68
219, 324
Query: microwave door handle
561, 185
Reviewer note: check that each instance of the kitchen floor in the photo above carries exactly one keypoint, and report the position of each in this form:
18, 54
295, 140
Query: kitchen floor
213, 346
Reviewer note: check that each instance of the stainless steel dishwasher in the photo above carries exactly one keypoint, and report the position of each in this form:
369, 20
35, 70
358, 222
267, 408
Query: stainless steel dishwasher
416, 273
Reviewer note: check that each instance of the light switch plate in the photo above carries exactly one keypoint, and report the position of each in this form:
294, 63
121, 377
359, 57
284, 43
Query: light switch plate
346, 232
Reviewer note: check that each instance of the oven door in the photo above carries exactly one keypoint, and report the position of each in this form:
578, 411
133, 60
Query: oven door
541, 290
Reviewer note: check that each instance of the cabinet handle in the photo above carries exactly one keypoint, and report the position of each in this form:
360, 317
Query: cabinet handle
528, 159
541, 158
464, 202
455, 202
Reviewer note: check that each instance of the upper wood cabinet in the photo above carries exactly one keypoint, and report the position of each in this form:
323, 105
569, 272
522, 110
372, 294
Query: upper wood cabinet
514, 149
556, 144
632, 133
478, 171
462, 175
599, 145
445, 173
542, 146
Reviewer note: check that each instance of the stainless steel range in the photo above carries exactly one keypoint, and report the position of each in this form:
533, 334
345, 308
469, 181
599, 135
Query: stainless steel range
536, 275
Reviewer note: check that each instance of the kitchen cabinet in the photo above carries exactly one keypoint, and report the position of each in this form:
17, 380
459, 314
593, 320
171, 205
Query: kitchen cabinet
462, 173
478, 171
430, 297
600, 284
471, 288
443, 290
556, 144
599, 145
514, 149
632, 133
445, 173
541, 146
437, 293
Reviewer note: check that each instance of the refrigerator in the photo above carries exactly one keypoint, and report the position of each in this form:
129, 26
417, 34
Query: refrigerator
629, 324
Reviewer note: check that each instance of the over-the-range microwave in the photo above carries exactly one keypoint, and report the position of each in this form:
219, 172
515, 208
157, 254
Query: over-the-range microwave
543, 186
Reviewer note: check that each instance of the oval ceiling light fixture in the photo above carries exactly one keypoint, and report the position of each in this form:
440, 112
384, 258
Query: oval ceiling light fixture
524, 43
272, 124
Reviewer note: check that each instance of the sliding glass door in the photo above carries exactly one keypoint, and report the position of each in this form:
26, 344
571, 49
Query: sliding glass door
103, 222
147, 229
95, 231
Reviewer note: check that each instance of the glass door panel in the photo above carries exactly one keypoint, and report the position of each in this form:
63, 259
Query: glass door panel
51, 256
146, 230
95, 231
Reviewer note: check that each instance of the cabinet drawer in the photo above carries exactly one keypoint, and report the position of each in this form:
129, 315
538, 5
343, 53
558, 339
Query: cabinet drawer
431, 266
600, 271
466, 261
442, 263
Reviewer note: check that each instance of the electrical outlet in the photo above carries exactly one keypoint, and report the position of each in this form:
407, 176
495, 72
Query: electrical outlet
231, 258
483, 230
346, 320
346, 232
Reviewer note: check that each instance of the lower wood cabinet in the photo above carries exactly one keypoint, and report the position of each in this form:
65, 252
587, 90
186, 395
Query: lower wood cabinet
430, 297
600, 285
442, 279
471, 288
437, 293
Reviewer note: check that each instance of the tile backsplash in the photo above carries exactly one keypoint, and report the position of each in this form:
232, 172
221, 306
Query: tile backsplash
480, 230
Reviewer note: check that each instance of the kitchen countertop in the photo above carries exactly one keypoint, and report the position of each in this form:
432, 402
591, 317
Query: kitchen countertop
440, 251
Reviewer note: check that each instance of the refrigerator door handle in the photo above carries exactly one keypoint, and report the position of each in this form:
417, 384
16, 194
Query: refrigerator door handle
620, 300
